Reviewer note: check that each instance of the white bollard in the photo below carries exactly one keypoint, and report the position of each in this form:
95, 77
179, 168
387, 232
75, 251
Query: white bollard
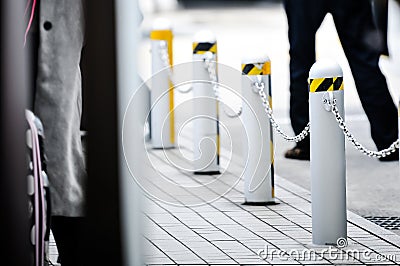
259, 171
205, 111
162, 93
328, 162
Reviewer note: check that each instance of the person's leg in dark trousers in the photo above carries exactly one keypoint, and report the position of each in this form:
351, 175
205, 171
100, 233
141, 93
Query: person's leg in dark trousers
69, 236
304, 18
353, 20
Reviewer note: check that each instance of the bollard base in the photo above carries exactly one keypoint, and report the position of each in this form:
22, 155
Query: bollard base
208, 173
266, 203
163, 148
318, 244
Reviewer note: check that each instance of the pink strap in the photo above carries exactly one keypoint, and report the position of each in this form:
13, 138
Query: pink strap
30, 19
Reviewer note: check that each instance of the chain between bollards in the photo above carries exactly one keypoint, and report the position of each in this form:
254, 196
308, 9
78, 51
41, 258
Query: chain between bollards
212, 72
350, 137
259, 88
166, 61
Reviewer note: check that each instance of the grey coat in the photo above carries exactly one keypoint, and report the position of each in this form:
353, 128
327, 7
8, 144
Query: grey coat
58, 102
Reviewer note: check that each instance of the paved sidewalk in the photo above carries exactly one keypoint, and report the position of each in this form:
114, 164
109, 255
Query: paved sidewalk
225, 231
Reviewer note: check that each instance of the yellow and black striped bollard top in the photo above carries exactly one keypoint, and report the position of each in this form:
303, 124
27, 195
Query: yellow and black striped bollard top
204, 47
326, 84
257, 68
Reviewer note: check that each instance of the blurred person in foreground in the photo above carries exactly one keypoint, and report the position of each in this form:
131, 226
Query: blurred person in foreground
362, 46
55, 35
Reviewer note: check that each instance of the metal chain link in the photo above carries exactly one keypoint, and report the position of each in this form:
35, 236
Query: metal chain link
350, 137
167, 64
259, 87
212, 72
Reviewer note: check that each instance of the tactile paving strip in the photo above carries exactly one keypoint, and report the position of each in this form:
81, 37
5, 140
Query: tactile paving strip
390, 223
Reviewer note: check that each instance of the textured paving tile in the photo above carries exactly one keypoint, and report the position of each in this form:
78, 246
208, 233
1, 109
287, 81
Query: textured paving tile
224, 231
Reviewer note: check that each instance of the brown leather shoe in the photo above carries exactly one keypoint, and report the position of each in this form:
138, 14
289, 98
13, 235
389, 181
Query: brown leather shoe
298, 153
